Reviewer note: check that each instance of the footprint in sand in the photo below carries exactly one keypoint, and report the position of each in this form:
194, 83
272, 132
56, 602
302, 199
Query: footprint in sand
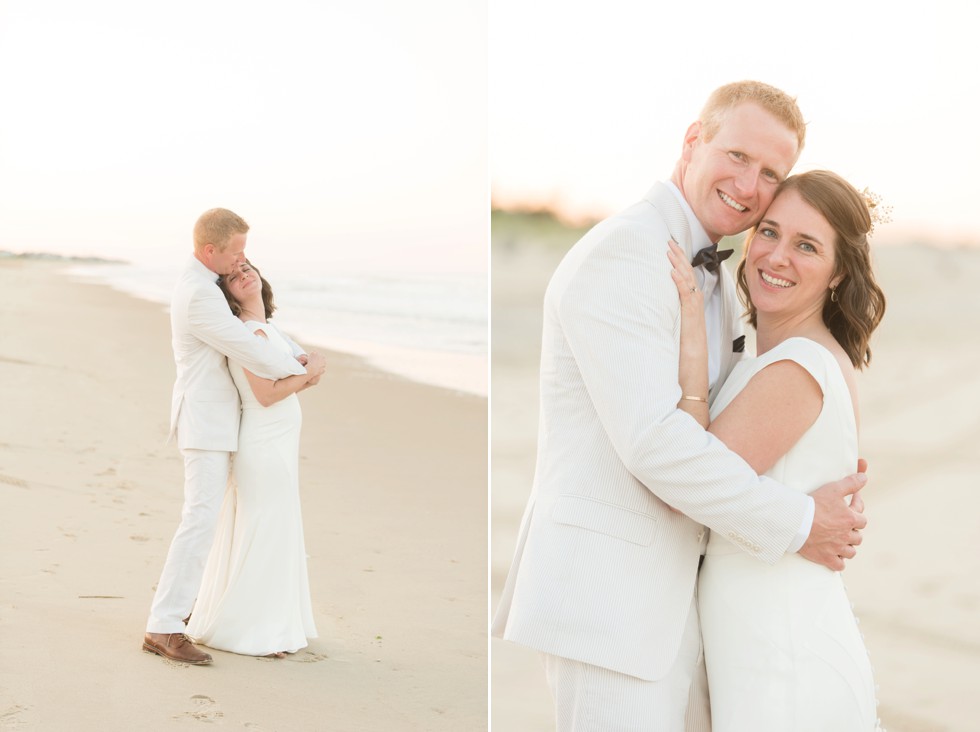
906, 721
10, 717
309, 657
206, 709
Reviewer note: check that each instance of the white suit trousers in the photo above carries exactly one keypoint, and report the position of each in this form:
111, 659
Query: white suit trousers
205, 480
594, 699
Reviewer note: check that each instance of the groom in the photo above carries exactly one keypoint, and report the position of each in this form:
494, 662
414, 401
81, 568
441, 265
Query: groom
204, 416
604, 574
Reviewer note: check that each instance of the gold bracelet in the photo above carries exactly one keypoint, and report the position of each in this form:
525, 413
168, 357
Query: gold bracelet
694, 399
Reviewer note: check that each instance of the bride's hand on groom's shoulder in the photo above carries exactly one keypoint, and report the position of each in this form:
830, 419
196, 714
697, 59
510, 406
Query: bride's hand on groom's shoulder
682, 274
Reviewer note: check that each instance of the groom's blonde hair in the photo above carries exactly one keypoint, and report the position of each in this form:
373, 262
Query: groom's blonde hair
775, 101
216, 226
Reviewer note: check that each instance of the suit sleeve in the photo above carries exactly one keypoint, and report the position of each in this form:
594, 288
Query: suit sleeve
619, 313
298, 350
212, 322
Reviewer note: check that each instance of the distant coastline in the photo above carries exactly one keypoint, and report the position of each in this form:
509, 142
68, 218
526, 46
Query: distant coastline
48, 257
516, 227
545, 226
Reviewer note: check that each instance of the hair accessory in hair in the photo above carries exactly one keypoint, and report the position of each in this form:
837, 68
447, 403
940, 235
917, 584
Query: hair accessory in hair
879, 214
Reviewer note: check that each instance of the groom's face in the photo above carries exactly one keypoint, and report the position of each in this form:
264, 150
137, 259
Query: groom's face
730, 180
228, 260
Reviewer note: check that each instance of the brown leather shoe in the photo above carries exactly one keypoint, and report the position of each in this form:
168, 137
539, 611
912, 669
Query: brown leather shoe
176, 647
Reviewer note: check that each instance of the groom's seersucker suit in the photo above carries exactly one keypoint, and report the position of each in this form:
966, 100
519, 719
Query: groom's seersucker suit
604, 572
205, 415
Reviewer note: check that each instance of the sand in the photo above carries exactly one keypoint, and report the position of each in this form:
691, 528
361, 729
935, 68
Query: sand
394, 481
916, 581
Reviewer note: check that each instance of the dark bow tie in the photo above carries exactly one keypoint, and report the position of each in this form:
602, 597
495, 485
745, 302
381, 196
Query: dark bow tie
710, 257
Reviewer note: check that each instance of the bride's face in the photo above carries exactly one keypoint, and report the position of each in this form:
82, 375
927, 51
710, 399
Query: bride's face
244, 284
790, 264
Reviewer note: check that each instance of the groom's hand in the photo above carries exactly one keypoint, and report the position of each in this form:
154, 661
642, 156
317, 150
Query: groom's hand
837, 526
315, 366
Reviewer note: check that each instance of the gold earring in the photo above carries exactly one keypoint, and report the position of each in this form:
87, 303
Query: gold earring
833, 294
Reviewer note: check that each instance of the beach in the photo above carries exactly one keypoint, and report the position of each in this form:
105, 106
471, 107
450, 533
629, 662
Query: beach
915, 582
393, 478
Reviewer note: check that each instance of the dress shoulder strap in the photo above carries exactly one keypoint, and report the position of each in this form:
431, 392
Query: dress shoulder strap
815, 358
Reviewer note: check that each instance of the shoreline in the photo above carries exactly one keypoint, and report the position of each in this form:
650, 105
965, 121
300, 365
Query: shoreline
393, 485
448, 369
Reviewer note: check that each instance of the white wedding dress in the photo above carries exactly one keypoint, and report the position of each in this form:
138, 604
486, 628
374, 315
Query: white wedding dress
255, 595
781, 643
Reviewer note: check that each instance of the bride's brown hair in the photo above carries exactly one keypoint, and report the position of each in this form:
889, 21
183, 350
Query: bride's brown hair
856, 306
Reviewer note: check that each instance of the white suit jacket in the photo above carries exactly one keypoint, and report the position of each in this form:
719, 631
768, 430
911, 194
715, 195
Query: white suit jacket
206, 410
604, 572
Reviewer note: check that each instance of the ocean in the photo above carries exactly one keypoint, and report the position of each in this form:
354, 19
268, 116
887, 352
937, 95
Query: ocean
427, 327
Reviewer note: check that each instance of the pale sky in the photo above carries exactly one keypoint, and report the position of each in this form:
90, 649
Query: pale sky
589, 102
341, 131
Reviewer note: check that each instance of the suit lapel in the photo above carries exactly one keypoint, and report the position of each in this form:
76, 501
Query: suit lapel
661, 198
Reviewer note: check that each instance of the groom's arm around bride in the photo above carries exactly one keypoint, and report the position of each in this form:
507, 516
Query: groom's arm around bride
205, 413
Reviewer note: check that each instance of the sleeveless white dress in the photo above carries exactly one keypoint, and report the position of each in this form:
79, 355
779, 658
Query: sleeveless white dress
781, 643
255, 595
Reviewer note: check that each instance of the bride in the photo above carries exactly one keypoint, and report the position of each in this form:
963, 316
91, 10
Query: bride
255, 595
781, 645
